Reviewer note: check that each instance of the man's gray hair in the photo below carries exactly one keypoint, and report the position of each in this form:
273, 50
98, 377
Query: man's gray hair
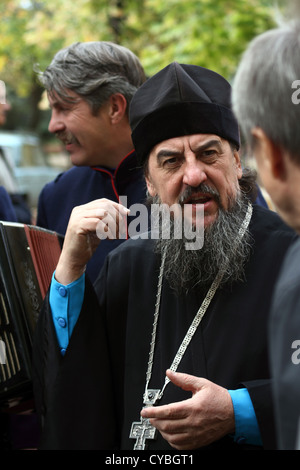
95, 71
263, 90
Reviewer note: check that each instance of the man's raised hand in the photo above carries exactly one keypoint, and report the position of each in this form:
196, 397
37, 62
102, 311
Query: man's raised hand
88, 224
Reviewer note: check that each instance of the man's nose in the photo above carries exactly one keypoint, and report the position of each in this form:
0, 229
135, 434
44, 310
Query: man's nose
55, 124
194, 173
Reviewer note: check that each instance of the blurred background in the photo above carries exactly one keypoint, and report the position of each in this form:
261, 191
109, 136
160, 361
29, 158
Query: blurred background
210, 33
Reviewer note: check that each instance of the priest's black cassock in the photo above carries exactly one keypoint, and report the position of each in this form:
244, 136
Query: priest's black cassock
90, 397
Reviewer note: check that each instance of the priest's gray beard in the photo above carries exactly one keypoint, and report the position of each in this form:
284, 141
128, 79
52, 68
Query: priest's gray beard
185, 269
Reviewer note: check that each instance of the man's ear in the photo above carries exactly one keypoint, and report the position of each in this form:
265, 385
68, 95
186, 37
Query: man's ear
118, 107
270, 154
236, 155
150, 187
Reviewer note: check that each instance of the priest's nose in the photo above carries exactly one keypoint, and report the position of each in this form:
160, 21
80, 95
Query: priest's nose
194, 173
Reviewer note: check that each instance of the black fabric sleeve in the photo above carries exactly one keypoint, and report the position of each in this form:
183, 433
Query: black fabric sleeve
260, 392
73, 394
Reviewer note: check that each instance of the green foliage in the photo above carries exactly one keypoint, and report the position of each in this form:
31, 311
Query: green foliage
211, 33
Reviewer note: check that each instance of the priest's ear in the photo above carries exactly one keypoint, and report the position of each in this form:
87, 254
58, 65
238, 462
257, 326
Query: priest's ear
269, 156
150, 186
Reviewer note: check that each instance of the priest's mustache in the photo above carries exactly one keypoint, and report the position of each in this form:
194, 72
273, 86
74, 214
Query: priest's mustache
201, 188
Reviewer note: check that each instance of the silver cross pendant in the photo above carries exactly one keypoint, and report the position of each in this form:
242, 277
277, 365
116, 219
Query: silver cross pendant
142, 430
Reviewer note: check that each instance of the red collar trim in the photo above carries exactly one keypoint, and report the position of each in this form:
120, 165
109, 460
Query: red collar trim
112, 171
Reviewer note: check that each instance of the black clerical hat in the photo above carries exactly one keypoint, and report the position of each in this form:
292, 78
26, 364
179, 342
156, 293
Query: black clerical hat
181, 100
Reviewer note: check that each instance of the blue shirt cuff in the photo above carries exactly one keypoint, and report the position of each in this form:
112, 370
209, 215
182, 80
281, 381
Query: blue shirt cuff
66, 302
246, 426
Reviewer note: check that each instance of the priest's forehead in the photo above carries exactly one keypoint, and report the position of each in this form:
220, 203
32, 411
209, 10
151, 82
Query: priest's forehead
196, 143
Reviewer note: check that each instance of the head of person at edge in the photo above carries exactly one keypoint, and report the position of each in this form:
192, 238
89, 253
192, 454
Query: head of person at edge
191, 156
4, 105
89, 87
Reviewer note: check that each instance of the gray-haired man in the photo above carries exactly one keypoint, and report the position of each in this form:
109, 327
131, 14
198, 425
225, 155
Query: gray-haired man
90, 86
266, 101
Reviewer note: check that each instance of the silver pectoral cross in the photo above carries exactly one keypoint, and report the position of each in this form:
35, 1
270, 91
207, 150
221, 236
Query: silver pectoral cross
142, 430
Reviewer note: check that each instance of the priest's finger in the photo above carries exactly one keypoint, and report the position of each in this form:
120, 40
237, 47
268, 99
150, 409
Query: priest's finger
187, 382
182, 441
173, 411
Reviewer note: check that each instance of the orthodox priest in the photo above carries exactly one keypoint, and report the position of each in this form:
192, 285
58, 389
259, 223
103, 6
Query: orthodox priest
168, 350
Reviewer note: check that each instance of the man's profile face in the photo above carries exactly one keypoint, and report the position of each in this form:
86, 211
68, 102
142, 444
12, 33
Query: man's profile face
182, 162
276, 170
84, 134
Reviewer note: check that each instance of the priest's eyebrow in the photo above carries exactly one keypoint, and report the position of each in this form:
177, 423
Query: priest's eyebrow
197, 149
210, 143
